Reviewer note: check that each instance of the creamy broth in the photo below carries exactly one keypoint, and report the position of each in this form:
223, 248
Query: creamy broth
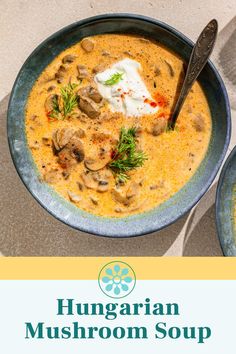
171, 157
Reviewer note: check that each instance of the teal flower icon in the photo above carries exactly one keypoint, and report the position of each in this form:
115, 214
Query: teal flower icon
117, 279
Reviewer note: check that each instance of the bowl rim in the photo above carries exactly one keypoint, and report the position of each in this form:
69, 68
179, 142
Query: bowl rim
188, 42
220, 184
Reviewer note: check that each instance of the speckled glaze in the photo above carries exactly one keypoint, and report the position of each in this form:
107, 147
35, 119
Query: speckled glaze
225, 205
65, 211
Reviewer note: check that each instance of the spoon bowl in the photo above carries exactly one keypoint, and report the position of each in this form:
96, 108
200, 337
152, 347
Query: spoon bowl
198, 59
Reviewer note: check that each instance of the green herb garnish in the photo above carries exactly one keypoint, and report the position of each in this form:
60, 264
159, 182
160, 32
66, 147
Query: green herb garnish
126, 156
114, 79
55, 108
69, 102
69, 98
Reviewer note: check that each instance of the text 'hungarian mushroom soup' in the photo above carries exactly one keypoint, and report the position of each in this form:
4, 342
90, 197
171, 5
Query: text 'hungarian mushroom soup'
97, 125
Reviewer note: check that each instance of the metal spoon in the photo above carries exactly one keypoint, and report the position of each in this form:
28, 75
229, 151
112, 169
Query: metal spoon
198, 59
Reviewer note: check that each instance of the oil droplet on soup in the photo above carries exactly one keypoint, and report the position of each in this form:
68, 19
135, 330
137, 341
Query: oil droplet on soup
98, 133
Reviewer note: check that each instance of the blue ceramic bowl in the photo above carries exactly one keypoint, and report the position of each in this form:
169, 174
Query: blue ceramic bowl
225, 199
65, 211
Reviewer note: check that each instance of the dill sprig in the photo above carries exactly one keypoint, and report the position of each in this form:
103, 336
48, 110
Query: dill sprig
68, 102
126, 156
69, 98
114, 79
55, 108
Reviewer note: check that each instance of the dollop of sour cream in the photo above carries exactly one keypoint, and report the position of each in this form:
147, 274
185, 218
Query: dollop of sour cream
130, 94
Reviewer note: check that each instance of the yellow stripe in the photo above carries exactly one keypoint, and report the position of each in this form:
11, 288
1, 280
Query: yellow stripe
146, 268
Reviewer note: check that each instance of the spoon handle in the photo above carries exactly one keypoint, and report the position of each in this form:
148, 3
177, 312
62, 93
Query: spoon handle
198, 59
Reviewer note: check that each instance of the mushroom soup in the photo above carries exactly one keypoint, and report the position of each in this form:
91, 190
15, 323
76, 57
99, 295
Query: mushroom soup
97, 125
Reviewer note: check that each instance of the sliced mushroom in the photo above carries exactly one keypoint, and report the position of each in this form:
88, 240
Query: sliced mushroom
87, 44
96, 164
158, 127
133, 190
76, 147
69, 58
91, 92
93, 165
83, 91
198, 122
88, 180
128, 198
50, 102
65, 159
98, 68
71, 153
99, 181
60, 74
64, 135
56, 145
82, 72
94, 94
61, 137
104, 144
74, 197
103, 178
119, 197
51, 176
103, 175
89, 107
170, 68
